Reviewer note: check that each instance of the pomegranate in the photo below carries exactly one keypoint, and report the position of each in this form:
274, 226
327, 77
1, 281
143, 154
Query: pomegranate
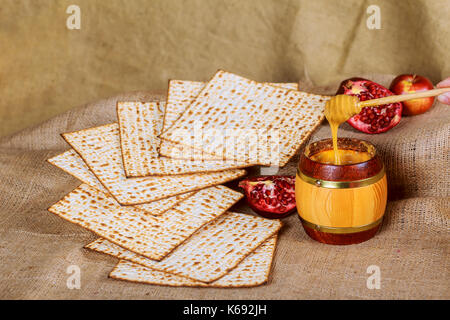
371, 119
270, 196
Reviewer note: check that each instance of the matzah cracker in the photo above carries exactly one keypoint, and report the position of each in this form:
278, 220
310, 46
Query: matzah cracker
151, 236
254, 270
182, 93
100, 149
139, 125
72, 163
233, 111
179, 96
211, 252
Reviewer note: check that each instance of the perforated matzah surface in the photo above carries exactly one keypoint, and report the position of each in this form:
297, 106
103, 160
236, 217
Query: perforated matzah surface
72, 163
254, 270
211, 252
238, 110
151, 236
180, 95
139, 124
100, 149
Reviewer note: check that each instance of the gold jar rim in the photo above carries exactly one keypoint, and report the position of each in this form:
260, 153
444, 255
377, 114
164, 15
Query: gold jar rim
341, 184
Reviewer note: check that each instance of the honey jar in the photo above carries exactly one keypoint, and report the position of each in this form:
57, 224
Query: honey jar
345, 203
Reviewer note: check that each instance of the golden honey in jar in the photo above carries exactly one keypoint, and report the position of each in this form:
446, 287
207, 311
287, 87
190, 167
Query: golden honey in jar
345, 203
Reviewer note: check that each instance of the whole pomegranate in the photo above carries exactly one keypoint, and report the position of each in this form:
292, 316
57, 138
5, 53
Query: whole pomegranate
410, 83
270, 196
371, 119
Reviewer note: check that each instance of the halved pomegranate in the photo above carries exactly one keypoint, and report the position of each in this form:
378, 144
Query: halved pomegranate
270, 196
371, 119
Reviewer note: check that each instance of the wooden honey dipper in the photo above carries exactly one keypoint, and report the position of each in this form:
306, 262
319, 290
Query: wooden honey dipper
342, 107
347, 106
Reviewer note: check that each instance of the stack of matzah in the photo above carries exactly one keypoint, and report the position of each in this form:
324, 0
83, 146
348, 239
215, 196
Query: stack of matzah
240, 120
154, 196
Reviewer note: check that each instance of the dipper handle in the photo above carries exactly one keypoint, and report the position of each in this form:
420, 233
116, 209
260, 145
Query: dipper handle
403, 97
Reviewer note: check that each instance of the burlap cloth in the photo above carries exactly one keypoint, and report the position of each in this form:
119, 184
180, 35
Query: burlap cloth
47, 68
411, 250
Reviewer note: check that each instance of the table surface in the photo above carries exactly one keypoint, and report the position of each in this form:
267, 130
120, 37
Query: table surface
411, 250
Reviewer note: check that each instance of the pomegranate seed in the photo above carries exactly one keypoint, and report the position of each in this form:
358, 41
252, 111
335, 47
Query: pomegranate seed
369, 119
272, 193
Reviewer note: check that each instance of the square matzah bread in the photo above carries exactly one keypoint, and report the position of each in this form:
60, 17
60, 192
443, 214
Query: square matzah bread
71, 163
233, 111
139, 125
211, 252
254, 270
150, 236
100, 149
179, 96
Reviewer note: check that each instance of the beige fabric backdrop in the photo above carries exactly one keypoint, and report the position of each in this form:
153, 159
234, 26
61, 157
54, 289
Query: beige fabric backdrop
412, 248
46, 69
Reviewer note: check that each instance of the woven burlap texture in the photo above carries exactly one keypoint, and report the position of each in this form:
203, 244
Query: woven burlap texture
411, 250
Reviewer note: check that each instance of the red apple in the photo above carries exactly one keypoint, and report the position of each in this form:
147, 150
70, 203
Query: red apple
410, 83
